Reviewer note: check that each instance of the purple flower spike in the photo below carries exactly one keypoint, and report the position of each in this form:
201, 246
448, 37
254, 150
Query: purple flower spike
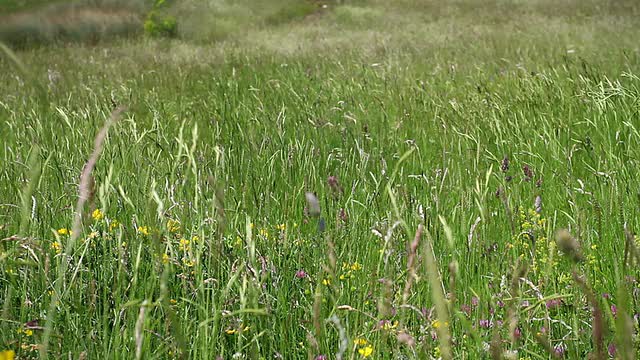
504, 165
553, 303
466, 309
559, 350
484, 323
517, 333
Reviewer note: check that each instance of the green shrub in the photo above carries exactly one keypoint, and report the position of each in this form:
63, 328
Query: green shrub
158, 24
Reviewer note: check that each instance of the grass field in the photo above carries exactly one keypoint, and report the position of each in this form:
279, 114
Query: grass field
474, 167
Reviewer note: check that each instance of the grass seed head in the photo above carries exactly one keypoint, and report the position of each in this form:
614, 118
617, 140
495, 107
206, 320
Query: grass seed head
569, 245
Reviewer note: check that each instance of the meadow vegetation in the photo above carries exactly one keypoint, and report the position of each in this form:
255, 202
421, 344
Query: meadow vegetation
325, 180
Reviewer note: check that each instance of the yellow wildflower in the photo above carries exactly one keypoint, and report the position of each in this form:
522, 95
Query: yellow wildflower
366, 351
173, 226
188, 262
326, 282
388, 325
165, 258
436, 352
281, 227
184, 244
64, 232
264, 232
356, 266
114, 224
57, 247
144, 230
236, 331
360, 342
7, 355
97, 215
173, 301
436, 324
93, 235
27, 332
195, 239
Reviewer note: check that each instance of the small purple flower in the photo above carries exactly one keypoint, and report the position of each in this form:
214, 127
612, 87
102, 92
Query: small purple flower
504, 165
321, 357
528, 173
475, 301
525, 303
300, 274
484, 323
334, 184
559, 350
466, 309
342, 215
492, 311
611, 349
543, 330
425, 312
500, 303
553, 303
499, 323
614, 310
517, 333
606, 296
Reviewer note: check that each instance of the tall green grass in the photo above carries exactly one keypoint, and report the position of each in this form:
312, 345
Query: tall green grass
441, 179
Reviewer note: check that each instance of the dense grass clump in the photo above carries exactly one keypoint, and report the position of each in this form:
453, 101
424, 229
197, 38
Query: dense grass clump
464, 191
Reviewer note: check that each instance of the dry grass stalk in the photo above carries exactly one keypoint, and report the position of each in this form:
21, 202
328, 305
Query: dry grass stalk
437, 295
411, 266
598, 321
139, 330
84, 194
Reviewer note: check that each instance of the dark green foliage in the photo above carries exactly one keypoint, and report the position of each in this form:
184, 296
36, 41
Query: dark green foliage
159, 25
